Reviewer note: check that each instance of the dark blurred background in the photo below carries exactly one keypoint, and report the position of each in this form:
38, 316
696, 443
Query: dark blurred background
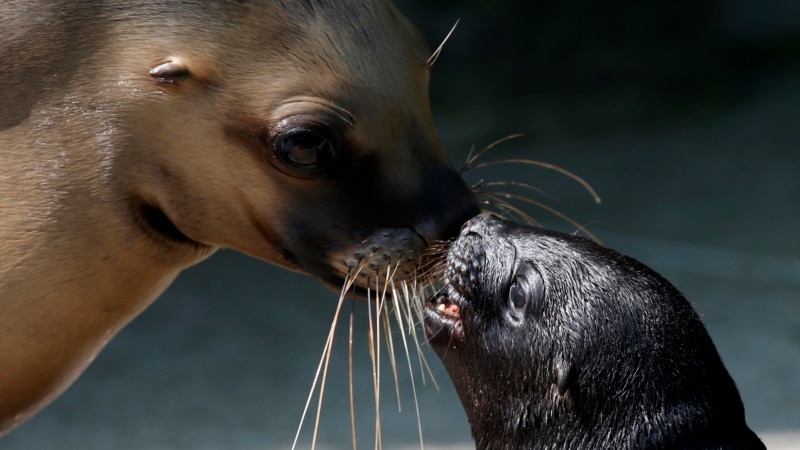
576, 68
682, 115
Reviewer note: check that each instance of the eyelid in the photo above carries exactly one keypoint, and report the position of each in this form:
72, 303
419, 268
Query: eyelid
534, 289
314, 106
514, 293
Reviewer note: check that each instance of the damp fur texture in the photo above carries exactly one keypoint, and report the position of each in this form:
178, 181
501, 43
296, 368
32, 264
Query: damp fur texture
556, 342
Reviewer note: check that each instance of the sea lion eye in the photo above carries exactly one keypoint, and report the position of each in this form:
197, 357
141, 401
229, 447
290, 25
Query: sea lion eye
517, 302
516, 297
526, 294
305, 152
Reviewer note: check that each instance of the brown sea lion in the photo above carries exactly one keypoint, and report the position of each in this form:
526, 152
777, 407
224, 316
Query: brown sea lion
136, 138
556, 342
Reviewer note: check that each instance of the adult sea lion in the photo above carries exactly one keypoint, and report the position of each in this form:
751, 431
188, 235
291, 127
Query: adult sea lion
136, 138
555, 342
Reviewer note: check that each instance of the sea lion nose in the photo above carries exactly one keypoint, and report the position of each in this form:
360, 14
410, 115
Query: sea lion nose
446, 204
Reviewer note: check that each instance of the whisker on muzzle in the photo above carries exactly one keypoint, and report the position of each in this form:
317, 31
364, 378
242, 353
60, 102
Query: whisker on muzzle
544, 165
490, 200
472, 157
394, 312
322, 367
505, 195
404, 292
350, 373
519, 184
503, 203
374, 335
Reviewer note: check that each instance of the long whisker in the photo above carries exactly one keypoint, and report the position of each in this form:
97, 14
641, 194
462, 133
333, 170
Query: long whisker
382, 315
472, 158
426, 267
502, 203
499, 207
399, 318
548, 209
350, 370
468, 160
403, 300
538, 190
545, 165
409, 311
389, 285
328, 351
435, 55
423, 361
348, 283
374, 353
387, 329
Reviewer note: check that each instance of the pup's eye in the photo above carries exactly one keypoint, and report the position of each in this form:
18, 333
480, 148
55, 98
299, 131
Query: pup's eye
305, 152
526, 294
516, 296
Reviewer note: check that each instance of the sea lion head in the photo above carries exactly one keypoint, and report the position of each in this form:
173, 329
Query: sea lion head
553, 341
138, 137
301, 135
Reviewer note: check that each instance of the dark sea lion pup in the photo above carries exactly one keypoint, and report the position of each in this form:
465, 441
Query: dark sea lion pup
555, 342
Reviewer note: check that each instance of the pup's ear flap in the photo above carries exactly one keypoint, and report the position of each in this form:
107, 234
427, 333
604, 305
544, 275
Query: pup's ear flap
566, 377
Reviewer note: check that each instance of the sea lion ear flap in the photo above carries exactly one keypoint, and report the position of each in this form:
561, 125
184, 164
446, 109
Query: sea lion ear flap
566, 377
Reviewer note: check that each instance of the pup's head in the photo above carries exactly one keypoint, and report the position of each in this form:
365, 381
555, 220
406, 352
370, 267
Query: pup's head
555, 340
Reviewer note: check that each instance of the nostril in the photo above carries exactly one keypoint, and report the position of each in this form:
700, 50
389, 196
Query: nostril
448, 223
447, 203
387, 252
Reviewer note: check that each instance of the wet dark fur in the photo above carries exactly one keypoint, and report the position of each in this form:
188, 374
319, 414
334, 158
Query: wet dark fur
598, 352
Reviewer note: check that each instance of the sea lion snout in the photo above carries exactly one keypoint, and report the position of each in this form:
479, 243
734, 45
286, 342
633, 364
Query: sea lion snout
434, 213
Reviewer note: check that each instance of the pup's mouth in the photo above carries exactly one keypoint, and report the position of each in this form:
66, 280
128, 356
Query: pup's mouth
445, 307
443, 314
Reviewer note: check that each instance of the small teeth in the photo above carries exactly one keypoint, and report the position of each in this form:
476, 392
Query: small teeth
445, 306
